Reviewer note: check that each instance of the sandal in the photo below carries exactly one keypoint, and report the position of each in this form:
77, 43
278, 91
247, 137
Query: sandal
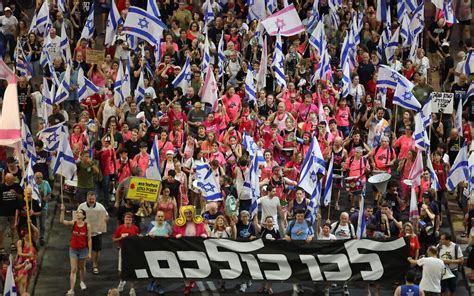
95, 270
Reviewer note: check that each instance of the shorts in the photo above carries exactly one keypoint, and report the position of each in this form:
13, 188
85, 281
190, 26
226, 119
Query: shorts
450, 284
6, 222
97, 243
120, 260
78, 253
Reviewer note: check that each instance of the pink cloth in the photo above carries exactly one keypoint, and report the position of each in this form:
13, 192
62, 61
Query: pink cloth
181, 230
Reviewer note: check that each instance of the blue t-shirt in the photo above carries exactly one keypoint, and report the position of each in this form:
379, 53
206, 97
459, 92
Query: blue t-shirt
299, 231
409, 290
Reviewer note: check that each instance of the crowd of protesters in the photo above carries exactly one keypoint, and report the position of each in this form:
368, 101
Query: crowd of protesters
112, 143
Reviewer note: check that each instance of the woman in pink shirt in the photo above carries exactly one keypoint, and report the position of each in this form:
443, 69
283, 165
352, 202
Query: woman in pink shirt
141, 159
343, 117
216, 154
267, 167
404, 169
232, 103
164, 145
405, 143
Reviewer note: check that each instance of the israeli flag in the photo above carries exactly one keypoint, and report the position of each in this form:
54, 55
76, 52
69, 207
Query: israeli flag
88, 29
140, 90
426, 112
361, 221
250, 89
449, 13
405, 31
51, 136
392, 46
405, 98
252, 148
143, 25
27, 142
206, 61
417, 22
112, 24
86, 87
41, 22
46, 101
184, 77
388, 77
471, 173
434, 178
208, 15
119, 96
346, 80
279, 63
23, 65
469, 93
318, 37
208, 183
65, 47
152, 8
64, 164
459, 172
9, 287
63, 91
30, 180
153, 171
328, 186
458, 119
254, 176
314, 202
381, 13
401, 9
469, 63
323, 69
221, 56
421, 138
313, 165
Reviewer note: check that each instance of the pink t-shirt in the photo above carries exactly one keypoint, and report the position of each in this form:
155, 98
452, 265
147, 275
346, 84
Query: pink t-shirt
141, 160
342, 116
232, 106
405, 143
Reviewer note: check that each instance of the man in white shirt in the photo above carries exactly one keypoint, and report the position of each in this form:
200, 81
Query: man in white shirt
271, 207
343, 229
452, 256
53, 44
422, 63
95, 211
8, 29
433, 269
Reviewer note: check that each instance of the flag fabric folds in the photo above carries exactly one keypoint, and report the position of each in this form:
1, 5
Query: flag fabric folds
361, 222
64, 164
141, 24
417, 170
279, 63
51, 136
10, 128
209, 90
469, 63
459, 171
153, 171
140, 90
328, 186
208, 183
221, 56
421, 138
388, 77
112, 24
9, 287
184, 77
405, 98
285, 22
63, 91
88, 30
86, 87
27, 142
434, 178
250, 89
313, 165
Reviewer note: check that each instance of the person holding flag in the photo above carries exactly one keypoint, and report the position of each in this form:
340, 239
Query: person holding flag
356, 167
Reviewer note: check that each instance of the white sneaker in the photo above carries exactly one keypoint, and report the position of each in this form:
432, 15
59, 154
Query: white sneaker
326, 292
243, 287
121, 285
70, 293
83, 286
346, 290
132, 292
249, 284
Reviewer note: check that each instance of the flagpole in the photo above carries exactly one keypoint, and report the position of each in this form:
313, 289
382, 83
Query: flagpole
395, 123
28, 219
61, 183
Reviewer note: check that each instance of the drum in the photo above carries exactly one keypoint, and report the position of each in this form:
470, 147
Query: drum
353, 184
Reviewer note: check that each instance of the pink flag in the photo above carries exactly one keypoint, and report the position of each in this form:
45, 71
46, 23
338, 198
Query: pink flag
209, 90
6, 73
285, 21
413, 214
10, 129
416, 170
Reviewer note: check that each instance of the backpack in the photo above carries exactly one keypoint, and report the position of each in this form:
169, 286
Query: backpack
350, 229
365, 164
456, 247
292, 224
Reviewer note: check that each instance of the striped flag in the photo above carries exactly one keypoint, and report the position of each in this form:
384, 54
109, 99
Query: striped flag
459, 171
208, 15
417, 170
51, 136
184, 77
381, 13
405, 98
27, 141
469, 63
421, 138
65, 47
262, 70
208, 183
279, 62
313, 165
119, 96
141, 24
206, 61
86, 87
470, 162
63, 91
112, 24
434, 178
314, 202
64, 164
328, 186
152, 8
153, 171
250, 89
361, 221
41, 22
221, 56
88, 30
9, 287
285, 22
346, 79
140, 90
458, 119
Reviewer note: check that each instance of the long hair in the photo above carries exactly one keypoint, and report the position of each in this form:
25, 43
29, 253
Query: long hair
181, 220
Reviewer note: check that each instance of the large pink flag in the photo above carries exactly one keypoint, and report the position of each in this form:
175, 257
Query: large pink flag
6, 73
10, 131
209, 92
286, 22
417, 170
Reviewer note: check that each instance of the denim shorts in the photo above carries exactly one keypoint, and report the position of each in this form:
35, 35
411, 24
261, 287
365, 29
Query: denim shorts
78, 253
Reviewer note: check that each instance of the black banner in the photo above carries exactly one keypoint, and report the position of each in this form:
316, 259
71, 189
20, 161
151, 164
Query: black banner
196, 258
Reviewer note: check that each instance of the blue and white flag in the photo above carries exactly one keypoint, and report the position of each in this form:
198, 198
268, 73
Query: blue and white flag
9, 287
417, 22
313, 165
208, 183
27, 141
361, 221
208, 15
30, 180
62, 6
388, 77
469, 93
126, 80
183, 80
471, 173
346, 79
153, 171
23, 65
64, 164
318, 37
252, 148
256, 10
459, 171
41, 22
314, 202
112, 24
143, 25
405, 31
221, 57
250, 89
86, 87
381, 11
254, 180
458, 119
119, 96
88, 30
426, 112
401, 8
65, 47
140, 90
392, 46
206, 60
262, 70
434, 178
152, 8
51, 136
46, 101
469, 63
449, 12
328, 186
63, 91
405, 98
421, 138
279, 63
323, 69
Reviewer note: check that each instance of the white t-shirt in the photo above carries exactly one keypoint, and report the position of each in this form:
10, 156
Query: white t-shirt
269, 207
424, 63
342, 231
97, 207
321, 236
9, 24
449, 252
433, 269
54, 48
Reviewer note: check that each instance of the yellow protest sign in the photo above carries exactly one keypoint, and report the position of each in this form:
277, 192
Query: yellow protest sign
143, 188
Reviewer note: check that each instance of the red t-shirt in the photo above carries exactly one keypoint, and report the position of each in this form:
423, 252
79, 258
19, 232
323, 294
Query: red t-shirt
79, 237
132, 230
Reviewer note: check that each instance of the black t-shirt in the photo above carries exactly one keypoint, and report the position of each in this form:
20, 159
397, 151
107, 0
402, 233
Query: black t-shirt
187, 103
447, 64
173, 186
459, 93
133, 148
42, 164
436, 32
34, 205
453, 148
9, 201
365, 72
245, 231
24, 100
269, 234
211, 218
